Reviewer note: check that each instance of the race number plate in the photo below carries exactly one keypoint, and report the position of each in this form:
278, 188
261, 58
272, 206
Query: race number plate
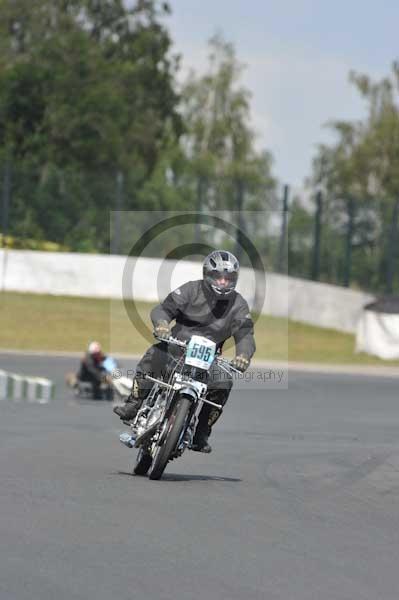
200, 352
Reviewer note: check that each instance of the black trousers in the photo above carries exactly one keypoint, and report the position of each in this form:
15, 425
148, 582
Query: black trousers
85, 375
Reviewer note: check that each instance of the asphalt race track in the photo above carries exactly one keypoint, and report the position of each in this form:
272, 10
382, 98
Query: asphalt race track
298, 501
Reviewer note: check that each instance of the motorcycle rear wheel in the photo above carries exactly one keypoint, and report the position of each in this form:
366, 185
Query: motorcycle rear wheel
176, 422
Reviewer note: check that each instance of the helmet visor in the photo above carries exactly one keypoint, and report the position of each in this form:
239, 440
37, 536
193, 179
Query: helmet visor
222, 282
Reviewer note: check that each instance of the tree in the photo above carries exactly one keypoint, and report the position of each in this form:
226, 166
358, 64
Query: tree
383, 139
230, 172
86, 91
343, 172
348, 181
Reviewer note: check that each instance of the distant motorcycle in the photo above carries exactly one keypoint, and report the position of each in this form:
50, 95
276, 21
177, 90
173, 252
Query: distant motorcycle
109, 387
165, 425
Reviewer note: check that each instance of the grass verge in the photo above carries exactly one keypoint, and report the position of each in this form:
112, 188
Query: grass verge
63, 323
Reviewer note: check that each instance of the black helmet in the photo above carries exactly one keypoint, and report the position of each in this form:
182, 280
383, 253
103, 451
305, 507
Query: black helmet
221, 265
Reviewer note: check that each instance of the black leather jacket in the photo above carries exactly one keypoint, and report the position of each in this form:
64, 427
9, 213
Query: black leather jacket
199, 311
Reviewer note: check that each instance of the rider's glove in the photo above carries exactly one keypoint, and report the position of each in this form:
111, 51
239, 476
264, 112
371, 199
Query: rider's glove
240, 362
162, 330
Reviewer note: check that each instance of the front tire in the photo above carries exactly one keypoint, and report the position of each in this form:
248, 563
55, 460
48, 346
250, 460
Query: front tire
176, 422
143, 462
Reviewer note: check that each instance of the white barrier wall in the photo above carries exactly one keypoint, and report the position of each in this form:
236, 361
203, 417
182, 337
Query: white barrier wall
324, 305
92, 275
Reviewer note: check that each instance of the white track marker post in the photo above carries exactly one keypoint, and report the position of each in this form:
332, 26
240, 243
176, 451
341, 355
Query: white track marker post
3, 385
32, 391
45, 390
17, 387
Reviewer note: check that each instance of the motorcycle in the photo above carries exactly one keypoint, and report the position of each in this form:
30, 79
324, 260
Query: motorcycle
165, 424
108, 387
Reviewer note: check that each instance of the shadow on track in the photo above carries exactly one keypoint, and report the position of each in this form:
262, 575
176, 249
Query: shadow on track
188, 477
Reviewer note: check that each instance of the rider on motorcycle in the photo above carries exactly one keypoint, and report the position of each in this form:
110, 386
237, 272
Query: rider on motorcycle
209, 307
91, 369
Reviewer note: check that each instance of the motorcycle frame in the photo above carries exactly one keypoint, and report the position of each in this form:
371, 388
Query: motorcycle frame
178, 383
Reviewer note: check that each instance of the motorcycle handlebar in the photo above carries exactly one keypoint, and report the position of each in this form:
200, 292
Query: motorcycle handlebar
223, 362
175, 341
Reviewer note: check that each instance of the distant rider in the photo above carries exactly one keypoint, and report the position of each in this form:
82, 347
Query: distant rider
209, 307
91, 369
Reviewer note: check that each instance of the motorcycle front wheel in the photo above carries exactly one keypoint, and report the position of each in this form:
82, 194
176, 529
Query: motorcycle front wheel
175, 425
143, 462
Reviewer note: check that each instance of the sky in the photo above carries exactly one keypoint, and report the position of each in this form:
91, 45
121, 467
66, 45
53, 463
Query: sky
298, 54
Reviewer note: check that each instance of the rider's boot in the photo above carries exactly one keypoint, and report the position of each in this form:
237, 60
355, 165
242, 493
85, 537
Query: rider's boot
133, 402
200, 441
206, 420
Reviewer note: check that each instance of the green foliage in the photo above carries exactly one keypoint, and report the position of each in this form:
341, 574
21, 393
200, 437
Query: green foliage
88, 98
89, 113
14, 243
86, 91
